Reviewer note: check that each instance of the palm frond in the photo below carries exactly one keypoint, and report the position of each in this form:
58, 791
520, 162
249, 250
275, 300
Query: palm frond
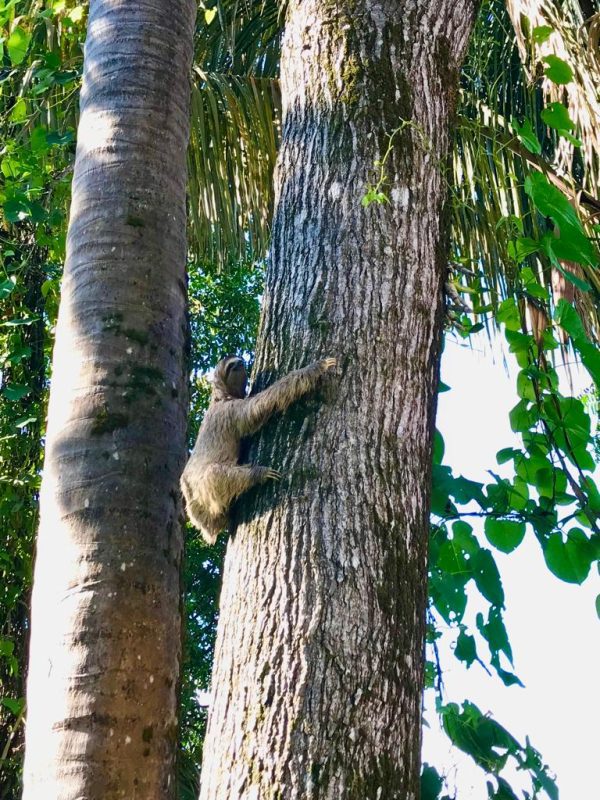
233, 147
234, 138
572, 40
240, 37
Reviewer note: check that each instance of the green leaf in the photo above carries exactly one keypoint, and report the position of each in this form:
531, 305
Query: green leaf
507, 678
518, 495
536, 443
431, 783
438, 447
521, 344
572, 244
59, 139
372, 195
15, 210
525, 386
570, 138
549, 482
531, 283
6, 647
451, 559
504, 791
462, 534
478, 735
507, 454
598, 605
14, 705
568, 319
11, 168
541, 33
39, 139
521, 416
543, 520
442, 484
510, 221
504, 534
551, 201
24, 421
465, 649
19, 111
465, 490
568, 418
18, 353
556, 116
571, 560
7, 286
15, 391
589, 486
18, 322
508, 313
17, 45
487, 577
37, 212
448, 595
528, 468
522, 247
527, 136
494, 632
558, 71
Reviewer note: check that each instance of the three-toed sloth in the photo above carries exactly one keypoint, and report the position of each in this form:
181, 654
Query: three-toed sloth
212, 478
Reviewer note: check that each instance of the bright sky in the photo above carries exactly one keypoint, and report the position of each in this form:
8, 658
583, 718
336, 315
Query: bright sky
552, 625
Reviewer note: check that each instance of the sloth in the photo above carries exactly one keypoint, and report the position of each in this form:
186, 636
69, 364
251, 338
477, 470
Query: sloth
212, 477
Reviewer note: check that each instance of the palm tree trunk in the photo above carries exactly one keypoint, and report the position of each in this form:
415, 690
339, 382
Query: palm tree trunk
318, 671
105, 646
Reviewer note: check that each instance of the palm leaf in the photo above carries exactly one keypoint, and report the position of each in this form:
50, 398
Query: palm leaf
568, 39
233, 147
234, 138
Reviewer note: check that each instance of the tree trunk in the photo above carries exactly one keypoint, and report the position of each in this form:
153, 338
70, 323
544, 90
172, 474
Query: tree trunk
105, 647
318, 670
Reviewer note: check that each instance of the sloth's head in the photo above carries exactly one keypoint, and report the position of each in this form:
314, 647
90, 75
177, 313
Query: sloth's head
230, 378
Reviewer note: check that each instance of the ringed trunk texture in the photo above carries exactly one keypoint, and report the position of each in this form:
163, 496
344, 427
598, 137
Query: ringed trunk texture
105, 646
319, 661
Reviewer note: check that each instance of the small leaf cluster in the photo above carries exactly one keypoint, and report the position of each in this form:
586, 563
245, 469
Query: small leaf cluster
491, 746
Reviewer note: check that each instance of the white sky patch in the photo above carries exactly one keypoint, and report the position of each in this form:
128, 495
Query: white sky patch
203, 698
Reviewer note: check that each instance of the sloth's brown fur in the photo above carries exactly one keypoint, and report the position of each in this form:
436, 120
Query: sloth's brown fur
212, 478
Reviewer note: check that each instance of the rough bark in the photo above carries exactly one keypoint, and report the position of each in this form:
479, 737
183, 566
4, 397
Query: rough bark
319, 660
105, 647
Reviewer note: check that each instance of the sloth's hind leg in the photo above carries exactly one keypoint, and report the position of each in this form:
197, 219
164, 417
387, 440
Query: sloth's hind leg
234, 480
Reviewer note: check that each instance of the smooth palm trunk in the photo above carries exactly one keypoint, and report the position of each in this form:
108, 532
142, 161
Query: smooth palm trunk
105, 646
319, 661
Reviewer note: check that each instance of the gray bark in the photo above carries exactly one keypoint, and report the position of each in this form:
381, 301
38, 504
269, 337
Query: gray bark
105, 646
319, 660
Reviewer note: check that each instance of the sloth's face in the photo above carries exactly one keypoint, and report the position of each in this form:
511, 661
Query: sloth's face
236, 377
